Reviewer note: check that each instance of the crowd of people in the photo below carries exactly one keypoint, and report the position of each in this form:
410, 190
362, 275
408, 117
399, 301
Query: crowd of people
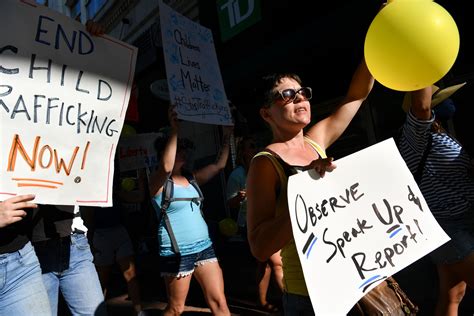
48, 250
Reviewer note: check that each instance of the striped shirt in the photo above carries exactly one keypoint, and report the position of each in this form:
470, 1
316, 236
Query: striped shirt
446, 184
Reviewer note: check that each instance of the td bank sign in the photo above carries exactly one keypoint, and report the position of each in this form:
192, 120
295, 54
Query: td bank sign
237, 15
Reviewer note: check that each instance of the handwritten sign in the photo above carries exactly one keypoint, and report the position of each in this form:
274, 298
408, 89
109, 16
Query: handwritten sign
194, 78
63, 98
359, 224
137, 151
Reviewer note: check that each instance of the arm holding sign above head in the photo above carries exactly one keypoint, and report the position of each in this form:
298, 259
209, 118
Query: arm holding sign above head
168, 155
421, 103
12, 210
206, 173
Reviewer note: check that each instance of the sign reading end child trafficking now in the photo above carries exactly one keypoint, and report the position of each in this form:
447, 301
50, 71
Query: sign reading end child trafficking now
194, 78
63, 98
358, 225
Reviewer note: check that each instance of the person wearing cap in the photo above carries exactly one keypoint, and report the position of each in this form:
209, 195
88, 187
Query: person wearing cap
441, 168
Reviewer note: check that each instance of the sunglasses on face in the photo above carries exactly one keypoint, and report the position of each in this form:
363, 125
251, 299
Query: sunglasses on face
289, 95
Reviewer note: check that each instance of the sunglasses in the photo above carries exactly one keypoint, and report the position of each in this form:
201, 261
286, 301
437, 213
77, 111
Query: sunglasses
289, 95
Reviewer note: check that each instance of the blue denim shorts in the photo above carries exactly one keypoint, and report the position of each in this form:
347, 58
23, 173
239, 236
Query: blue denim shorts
461, 231
180, 266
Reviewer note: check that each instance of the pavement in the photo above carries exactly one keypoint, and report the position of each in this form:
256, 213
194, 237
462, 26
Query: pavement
419, 281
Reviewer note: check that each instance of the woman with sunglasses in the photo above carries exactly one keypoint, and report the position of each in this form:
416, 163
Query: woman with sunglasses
185, 247
286, 109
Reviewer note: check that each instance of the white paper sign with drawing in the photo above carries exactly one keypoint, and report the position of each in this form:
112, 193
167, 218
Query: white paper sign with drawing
194, 78
359, 224
63, 98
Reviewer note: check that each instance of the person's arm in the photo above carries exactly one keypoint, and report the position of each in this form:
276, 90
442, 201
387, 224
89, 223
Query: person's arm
327, 131
235, 190
206, 173
12, 210
421, 103
166, 164
267, 231
94, 28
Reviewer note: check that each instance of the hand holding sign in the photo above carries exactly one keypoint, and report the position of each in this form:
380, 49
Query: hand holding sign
362, 222
322, 165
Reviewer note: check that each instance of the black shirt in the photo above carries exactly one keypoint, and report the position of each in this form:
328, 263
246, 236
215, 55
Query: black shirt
15, 236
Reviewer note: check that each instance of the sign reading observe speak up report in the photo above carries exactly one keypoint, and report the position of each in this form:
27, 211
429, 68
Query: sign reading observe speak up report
359, 224
63, 98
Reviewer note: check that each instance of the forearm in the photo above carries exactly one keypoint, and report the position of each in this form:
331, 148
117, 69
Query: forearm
169, 153
269, 237
223, 154
421, 103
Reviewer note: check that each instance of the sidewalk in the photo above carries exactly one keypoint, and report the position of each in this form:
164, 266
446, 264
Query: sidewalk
419, 281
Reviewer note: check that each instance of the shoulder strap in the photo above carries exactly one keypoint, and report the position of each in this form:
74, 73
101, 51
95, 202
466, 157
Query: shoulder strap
276, 162
167, 195
194, 183
316, 147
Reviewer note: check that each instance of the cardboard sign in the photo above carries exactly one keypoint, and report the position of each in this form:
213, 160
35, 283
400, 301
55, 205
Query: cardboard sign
137, 151
63, 98
194, 78
358, 225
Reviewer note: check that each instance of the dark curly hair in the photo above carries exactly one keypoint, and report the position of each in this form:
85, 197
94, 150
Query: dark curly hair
264, 94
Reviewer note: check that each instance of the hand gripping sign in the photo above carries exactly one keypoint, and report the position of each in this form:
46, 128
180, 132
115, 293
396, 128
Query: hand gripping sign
63, 98
361, 223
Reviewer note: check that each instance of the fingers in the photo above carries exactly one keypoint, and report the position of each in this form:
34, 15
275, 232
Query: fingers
94, 28
323, 165
21, 198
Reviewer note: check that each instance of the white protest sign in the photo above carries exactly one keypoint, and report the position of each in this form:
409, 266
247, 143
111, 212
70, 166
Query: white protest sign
194, 78
359, 224
137, 151
63, 98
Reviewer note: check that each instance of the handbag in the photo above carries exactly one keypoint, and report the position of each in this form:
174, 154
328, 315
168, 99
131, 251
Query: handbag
387, 298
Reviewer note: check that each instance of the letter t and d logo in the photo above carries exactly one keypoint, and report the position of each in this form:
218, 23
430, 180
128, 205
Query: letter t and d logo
237, 15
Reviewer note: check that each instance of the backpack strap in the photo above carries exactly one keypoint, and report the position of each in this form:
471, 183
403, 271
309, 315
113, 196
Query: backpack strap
167, 194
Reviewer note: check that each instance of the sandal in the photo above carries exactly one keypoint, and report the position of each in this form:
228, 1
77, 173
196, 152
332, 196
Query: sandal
269, 308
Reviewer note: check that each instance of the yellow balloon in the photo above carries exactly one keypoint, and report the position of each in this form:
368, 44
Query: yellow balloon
128, 184
228, 227
128, 130
411, 44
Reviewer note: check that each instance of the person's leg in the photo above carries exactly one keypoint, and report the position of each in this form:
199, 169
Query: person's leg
277, 267
51, 283
264, 273
80, 284
127, 266
22, 291
209, 275
451, 291
177, 290
104, 275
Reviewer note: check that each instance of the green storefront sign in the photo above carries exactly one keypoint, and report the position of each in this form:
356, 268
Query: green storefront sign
237, 15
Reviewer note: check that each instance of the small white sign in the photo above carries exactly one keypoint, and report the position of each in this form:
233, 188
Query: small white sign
194, 78
358, 225
137, 151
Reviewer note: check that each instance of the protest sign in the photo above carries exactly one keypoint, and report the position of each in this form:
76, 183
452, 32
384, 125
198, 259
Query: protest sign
137, 151
63, 98
359, 224
194, 78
